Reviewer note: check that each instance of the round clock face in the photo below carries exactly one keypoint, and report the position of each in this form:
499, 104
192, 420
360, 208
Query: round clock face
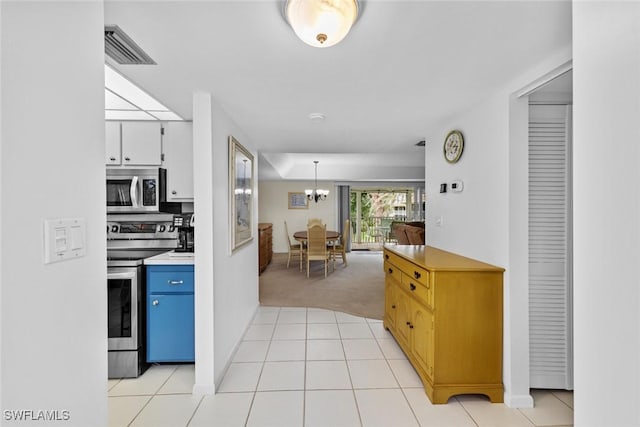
453, 146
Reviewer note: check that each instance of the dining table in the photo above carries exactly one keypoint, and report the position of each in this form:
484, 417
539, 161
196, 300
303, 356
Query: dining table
301, 236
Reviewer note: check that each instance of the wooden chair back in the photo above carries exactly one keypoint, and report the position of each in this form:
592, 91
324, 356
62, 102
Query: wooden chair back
313, 221
317, 241
286, 230
345, 233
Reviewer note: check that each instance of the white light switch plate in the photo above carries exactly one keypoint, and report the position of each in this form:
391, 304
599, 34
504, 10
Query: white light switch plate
64, 239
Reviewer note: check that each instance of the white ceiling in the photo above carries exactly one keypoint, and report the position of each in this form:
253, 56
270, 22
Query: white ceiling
404, 68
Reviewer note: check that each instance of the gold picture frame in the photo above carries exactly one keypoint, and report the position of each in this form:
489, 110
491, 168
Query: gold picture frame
298, 200
241, 180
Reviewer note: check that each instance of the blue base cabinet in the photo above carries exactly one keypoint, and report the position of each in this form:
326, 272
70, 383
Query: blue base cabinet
170, 319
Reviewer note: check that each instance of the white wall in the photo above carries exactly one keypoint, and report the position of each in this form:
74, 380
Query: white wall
54, 321
606, 82
484, 221
273, 207
230, 279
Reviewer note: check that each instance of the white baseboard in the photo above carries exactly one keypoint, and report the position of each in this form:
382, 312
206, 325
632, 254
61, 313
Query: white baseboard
518, 401
200, 389
235, 348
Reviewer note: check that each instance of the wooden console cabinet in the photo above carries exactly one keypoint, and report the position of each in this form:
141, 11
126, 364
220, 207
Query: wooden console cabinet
265, 251
445, 312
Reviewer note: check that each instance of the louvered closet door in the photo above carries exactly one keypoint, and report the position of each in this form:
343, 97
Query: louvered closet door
550, 328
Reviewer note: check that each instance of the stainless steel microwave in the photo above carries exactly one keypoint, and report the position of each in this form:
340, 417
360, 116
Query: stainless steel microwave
138, 191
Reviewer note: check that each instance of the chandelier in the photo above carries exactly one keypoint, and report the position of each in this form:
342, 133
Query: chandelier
316, 194
321, 23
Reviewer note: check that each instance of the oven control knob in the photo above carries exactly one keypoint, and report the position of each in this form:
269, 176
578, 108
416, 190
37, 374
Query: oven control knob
172, 228
163, 228
114, 228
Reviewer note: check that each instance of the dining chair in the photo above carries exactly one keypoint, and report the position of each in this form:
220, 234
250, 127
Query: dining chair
313, 221
317, 246
340, 248
294, 248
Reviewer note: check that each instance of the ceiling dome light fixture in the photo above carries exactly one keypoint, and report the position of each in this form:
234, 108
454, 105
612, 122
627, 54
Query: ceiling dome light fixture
321, 23
316, 194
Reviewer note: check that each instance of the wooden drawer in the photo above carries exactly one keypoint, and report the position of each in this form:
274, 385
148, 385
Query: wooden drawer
417, 273
423, 293
392, 271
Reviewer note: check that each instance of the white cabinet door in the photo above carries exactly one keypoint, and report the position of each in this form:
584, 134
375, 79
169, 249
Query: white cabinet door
178, 150
112, 143
141, 143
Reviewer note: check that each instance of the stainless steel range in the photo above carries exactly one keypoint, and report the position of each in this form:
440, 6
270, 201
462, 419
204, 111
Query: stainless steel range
130, 239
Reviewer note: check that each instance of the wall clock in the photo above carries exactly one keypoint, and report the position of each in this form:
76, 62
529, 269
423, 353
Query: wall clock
453, 146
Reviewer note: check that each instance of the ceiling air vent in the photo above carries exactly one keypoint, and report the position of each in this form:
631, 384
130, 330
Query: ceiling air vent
119, 47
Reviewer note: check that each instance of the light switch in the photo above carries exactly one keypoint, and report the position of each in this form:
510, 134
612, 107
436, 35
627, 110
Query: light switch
63, 239
77, 237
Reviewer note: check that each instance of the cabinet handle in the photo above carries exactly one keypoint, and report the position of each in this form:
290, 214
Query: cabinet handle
390, 271
127, 159
412, 286
385, 256
174, 192
113, 159
416, 274
410, 326
393, 306
175, 282
155, 302
408, 323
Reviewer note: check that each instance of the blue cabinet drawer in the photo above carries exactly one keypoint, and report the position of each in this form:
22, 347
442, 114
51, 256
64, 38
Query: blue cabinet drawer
170, 279
170, 334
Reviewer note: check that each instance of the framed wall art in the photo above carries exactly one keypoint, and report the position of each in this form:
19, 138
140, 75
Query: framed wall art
298, 201
240, 194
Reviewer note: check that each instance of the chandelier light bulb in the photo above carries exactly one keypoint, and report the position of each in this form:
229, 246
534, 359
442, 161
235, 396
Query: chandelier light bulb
321, 23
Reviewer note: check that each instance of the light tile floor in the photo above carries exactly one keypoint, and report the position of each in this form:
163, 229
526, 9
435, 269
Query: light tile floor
313, 367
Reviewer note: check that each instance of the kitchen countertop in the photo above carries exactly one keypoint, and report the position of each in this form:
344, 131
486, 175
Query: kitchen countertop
171, 258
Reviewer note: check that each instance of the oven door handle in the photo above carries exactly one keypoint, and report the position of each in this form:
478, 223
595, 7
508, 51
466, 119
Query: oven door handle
133, 191
122, 275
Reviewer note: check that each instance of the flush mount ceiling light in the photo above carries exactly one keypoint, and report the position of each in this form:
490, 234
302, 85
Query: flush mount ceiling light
316, 117
321, 23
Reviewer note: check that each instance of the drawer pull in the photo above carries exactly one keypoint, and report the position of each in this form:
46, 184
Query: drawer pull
155, 302
385, 256
390, 271
393, 306
412, 286
175, 282
408, 323
416, 274
410, 326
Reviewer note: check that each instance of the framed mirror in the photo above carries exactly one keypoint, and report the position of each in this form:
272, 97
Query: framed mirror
240, 194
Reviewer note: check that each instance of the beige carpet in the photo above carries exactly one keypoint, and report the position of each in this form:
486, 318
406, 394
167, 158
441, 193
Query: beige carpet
356, 289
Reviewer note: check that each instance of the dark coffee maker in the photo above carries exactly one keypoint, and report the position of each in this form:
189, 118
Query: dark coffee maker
184, 224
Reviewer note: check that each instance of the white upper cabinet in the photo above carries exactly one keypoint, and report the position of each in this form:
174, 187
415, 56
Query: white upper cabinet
141, 143
178, 149
133, 143
112, 142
